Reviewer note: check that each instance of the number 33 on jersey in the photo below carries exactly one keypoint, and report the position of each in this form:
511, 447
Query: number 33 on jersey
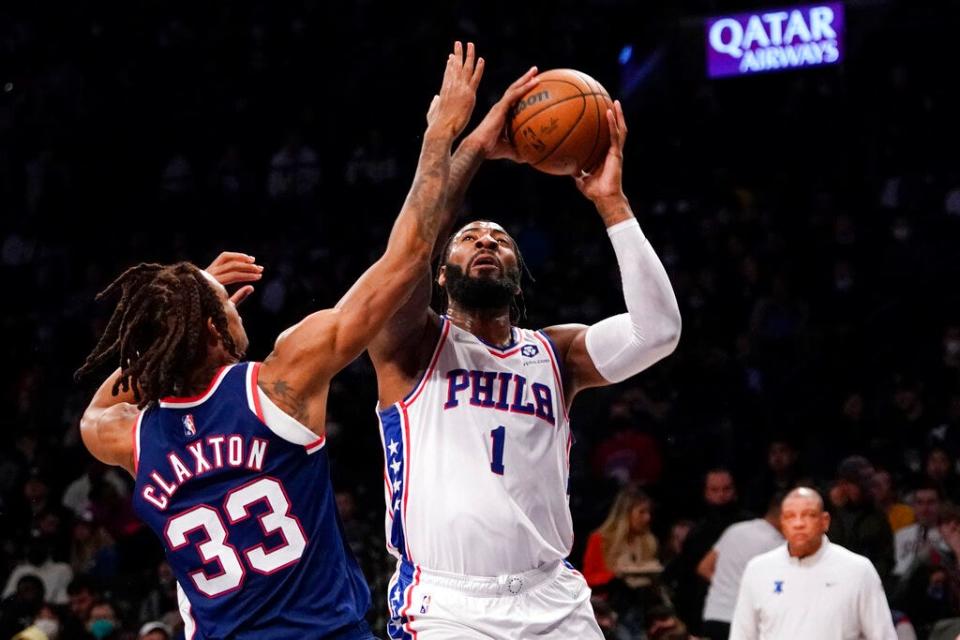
235, 489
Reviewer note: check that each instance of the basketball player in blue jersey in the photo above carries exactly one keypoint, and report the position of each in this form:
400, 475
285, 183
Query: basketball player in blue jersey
228, 456
473, 414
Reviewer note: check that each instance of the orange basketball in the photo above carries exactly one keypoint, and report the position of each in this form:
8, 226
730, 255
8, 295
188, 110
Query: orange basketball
560, 126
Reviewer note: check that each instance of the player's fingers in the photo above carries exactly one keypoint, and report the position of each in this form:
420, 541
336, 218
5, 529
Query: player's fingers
615, 138
477, 73
234, 255
518, 92
621, 121
532, 71
458, 52
449, 75
235, 277
243, 267
470, 58
241, 294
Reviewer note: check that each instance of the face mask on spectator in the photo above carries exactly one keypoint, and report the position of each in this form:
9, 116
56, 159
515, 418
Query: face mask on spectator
50, 627
101, 628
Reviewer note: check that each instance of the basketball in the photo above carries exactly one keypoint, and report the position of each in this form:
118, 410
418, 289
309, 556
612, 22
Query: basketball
560, 126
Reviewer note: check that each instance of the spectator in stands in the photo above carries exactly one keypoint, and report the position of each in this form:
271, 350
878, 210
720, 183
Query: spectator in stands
906, 426
18, 610
155, 630
920, 538
856, 523
679, 531
779, 476
623, 546
938, 468
38, 562
76, 497
103, 623
930, 589
83, 593
662, 623
621, 561
885, 497
160, 602
724, 564
722, 510
608, 620
92, 550
47, 622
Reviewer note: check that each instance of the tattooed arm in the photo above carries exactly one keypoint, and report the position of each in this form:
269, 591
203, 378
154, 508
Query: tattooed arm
407, 339
296, 375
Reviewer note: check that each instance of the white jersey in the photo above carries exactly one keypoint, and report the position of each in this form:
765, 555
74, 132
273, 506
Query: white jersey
477, 459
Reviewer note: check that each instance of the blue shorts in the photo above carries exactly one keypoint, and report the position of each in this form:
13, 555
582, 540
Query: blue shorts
356, 631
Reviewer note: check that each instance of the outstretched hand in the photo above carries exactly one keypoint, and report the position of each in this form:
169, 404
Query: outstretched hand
606, 181
231, 267
451, 109
490, 136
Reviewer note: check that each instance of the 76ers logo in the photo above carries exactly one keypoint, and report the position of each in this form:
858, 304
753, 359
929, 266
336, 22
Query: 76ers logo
189, 426
529, 350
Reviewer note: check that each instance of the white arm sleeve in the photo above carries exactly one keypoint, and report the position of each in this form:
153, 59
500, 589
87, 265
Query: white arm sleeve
625, 345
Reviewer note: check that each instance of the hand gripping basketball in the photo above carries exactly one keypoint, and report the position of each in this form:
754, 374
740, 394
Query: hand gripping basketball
450, 110
606, 181
490, 136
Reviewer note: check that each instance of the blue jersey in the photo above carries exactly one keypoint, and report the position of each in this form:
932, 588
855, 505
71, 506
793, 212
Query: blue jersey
240, 494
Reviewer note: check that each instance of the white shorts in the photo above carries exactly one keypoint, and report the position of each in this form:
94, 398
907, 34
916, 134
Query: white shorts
552, 602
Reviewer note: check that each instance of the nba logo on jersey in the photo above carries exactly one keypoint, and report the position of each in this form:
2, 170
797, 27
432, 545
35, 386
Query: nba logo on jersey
424, 604
189, 427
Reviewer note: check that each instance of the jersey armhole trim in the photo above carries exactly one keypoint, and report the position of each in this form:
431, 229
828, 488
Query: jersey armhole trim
136, 442
557, 366
415, 393
274, 418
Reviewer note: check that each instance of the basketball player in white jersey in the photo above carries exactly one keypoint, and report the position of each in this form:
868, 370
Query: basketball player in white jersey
473, 414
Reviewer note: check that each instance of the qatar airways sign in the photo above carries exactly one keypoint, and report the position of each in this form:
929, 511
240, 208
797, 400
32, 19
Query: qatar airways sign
746, 43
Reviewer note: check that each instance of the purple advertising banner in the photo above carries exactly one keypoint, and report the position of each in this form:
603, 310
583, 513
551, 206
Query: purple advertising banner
774, 40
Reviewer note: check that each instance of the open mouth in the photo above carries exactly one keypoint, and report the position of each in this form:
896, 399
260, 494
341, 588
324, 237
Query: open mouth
485, 261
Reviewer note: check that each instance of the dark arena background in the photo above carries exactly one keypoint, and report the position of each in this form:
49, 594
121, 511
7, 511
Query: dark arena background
809, 219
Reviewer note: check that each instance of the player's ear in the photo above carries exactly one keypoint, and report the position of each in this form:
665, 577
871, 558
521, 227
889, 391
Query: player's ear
442, 275
213, 336
826, 520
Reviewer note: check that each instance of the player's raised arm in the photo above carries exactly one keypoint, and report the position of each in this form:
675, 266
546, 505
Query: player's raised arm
307, 355
617, 348
390, 351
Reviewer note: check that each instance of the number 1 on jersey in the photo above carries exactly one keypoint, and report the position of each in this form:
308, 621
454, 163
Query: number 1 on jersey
499, 436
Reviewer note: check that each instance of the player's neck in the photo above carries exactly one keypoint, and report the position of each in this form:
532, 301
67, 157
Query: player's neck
199, 380
490, 325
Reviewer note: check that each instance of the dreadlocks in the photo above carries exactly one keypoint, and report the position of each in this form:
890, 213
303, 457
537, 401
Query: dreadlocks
518, 306
158, 328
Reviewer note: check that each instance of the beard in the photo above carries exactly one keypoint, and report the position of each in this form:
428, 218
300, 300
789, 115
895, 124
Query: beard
481, 293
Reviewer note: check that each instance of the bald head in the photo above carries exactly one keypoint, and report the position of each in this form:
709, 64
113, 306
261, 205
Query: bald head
804, 493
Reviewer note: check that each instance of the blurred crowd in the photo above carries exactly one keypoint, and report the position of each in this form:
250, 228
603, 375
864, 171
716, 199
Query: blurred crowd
808, 220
